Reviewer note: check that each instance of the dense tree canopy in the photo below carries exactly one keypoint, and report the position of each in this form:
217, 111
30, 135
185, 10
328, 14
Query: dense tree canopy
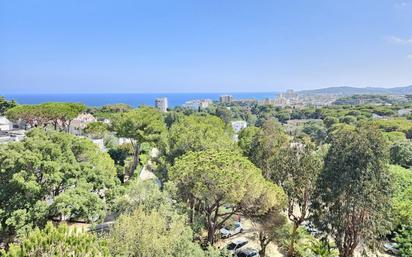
53, 175
197, 133
265, 144
212, 179
296, 170
96, 129
401, 153
60, 241
352, 200
142, 125
5, 105
402, 196
59, 115
150, 225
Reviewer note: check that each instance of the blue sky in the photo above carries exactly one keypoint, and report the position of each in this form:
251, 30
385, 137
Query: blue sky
101, 46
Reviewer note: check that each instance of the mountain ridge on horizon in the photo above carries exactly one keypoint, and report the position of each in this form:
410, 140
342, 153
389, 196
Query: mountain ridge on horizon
350, 90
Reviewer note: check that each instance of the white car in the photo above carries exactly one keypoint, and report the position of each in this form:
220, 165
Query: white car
228, 232
235, 245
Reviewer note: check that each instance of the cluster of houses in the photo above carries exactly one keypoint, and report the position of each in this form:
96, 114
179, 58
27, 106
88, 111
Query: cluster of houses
15, 131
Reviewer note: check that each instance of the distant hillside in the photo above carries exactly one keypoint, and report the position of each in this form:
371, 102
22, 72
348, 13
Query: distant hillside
347, 91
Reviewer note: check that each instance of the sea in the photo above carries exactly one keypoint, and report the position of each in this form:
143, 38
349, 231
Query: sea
133, 99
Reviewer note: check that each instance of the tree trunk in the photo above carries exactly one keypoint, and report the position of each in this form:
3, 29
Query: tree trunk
347, 252
135, 160
211, 233
291, 248
263, 244
192, 207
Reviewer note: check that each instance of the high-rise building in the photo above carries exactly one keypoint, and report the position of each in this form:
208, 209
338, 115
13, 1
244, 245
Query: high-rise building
226, 98
161, 104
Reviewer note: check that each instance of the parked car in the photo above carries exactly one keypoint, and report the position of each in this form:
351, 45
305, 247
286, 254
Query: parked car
391, 248
247, 252
227, 232
311, 228
236, 244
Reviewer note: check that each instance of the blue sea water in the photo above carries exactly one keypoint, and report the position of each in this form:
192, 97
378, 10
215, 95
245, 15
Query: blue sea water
133, 99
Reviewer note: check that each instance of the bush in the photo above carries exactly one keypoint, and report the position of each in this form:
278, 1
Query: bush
60, 241
401, 153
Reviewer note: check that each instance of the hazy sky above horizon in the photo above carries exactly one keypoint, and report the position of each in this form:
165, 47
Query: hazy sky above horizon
101, 46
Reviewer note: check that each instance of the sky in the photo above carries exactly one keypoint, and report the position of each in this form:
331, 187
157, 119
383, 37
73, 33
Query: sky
101, 46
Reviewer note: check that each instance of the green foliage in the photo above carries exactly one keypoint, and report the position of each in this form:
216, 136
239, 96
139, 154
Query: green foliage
144, 195
316, 131
404, 240
143, 125
401, 153
296, 170
197, 133
329, 121
351, 202
111, 110
5, 105
389, 125
265, 145
402, 195
59, 115
224, 114
395, 136
96, 129
152, 233
60, 241
219, 178
53, 174
150, 226
247, 138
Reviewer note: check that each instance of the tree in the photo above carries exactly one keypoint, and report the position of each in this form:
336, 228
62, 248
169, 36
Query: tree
59, 115
404, 240
150, 226
329, 121
271, 226
151, 234
142, 125
316, 131
60, 241
353, 196
197, 133
225, 114
247, 138
5, 105
296, 170
96, 129
266, 145
401, 153
402, 196
211, 179
53, 175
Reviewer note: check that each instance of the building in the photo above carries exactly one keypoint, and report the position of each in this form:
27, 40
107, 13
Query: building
266, 101
197, 104
238, 125
12, 136
246, 101
404, 112
290, 94
5, 124
80, 122
226, 98
280, 101
161, 104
